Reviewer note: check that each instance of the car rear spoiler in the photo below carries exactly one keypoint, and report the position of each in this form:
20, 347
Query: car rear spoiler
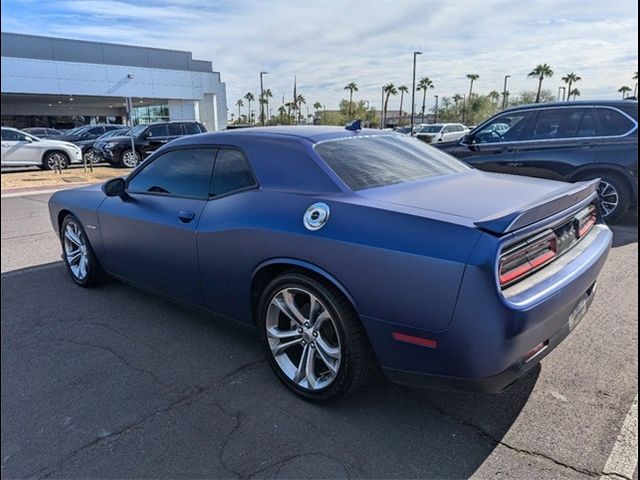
505, 222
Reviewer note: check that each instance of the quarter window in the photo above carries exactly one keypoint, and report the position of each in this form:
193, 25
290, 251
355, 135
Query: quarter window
231, 172
612, 122
183, 173
190, 128
174, 130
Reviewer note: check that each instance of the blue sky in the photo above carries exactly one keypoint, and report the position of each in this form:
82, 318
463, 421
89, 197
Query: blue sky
330, 43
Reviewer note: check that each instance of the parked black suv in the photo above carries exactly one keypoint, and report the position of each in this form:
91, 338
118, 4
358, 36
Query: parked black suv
146, 139
85, 136
570, 141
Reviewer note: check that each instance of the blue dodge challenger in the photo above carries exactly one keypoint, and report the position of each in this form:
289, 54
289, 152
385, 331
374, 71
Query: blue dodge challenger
348, 249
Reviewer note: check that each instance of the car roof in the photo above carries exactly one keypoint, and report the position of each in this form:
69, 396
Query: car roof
573, 103
313, 134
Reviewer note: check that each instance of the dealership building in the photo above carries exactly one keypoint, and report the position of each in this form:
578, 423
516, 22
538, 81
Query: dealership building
63, 83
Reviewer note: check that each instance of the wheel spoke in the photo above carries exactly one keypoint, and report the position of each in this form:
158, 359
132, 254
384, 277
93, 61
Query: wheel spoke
330, 364
74, 256
322, 317
282, 347
321, 344
288, 306
83, 266
72, 237
309, 371
274, 332
300, 371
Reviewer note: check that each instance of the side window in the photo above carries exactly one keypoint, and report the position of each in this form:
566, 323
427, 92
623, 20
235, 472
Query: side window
447, 129
554, 124
96, 131
185, 173
611, 122
587, 127
174, 130
231, 172
156, 131
12, 136
504, 128
190, 128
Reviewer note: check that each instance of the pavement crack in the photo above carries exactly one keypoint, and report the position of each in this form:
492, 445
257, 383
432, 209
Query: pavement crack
120, 357
500, 442
186, 399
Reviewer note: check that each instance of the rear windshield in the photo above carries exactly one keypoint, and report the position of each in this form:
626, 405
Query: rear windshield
375, 161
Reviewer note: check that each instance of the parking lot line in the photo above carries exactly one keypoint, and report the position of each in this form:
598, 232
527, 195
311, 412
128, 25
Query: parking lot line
624, 456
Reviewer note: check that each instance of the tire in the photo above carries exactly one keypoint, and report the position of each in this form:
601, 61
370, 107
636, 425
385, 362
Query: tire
334, 333
612, 188
129, 158
73, 238
49, 160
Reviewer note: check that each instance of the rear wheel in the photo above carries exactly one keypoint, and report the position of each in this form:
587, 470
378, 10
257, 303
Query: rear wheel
129, 158
52, 158
79, 257
313, 339
614, 195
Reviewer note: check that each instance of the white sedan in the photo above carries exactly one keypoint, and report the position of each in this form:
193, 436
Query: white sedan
19, 149
442, 132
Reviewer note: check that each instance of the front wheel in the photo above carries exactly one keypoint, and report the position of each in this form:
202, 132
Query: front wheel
313, 339
129, 158
79, 257
51, 159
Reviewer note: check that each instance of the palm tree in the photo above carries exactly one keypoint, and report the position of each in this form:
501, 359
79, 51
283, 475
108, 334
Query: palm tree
494, 96
473, 77
317, 106
402, 89
424, 84
352, 87
569, 79
299, 100
267, 95
456, 98
575, 92
240, 104
388, 89
635, 88
249, 98
624, 89
540, 72
282, 110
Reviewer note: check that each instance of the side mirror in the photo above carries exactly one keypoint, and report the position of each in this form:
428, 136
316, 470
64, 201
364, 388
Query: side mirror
115, 188
466, 139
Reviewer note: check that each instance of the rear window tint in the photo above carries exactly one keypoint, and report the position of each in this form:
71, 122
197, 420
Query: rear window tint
613, 122
374, 161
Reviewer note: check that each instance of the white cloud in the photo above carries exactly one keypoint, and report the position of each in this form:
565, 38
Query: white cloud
328, 44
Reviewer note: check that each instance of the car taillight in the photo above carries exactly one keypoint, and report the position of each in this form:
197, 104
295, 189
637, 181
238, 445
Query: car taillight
585, 220
527, 256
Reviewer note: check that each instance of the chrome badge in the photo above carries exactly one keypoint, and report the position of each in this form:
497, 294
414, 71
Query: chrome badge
316, 216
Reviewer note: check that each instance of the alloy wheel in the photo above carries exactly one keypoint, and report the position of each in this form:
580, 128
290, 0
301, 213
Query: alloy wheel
609, 197
129, 159
56, 158
303, 338
75, 250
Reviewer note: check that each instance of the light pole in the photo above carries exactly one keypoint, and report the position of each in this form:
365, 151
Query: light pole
413, 90
564, 92
262, 99
382, 110
435, 110
464, 105
504, 92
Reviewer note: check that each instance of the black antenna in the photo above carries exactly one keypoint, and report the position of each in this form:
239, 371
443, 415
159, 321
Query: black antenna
354, 126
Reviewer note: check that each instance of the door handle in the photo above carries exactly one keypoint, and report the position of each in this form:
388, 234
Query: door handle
186, 216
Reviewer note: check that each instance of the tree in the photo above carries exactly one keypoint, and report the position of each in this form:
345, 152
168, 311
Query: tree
494, 95
282, 110
352, 87
575, 92
267, 95
456, 98
388, 89
570, 79
424, 84
299, 101
402, 89
635, 88
624, 89
249, 98
527, 97
240, 104
317, 106
540, 72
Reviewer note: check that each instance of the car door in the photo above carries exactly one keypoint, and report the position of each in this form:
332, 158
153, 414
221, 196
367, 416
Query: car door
154, 137
149, 237
490, 147
560, 140
20, 149
174, 130
220, 232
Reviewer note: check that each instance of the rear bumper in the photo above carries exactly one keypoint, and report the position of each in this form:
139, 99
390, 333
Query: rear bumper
485, 346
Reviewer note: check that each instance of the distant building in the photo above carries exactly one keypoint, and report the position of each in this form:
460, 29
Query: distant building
56, 82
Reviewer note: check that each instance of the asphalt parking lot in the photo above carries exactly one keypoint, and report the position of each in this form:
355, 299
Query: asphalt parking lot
113, 382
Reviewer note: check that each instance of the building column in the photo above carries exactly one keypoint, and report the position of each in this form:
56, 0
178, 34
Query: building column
184, 110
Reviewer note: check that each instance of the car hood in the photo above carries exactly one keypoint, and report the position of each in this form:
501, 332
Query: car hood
491, 199
46, 142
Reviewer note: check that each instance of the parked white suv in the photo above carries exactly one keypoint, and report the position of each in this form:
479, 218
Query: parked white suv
442, 132
21, 149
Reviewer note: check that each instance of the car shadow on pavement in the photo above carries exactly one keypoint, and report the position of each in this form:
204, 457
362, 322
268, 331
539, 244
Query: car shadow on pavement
115, 382
625, 229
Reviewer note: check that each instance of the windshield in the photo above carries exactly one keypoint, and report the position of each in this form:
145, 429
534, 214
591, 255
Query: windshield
431, 129
115, 133
375, 161
138, 129
77, 130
